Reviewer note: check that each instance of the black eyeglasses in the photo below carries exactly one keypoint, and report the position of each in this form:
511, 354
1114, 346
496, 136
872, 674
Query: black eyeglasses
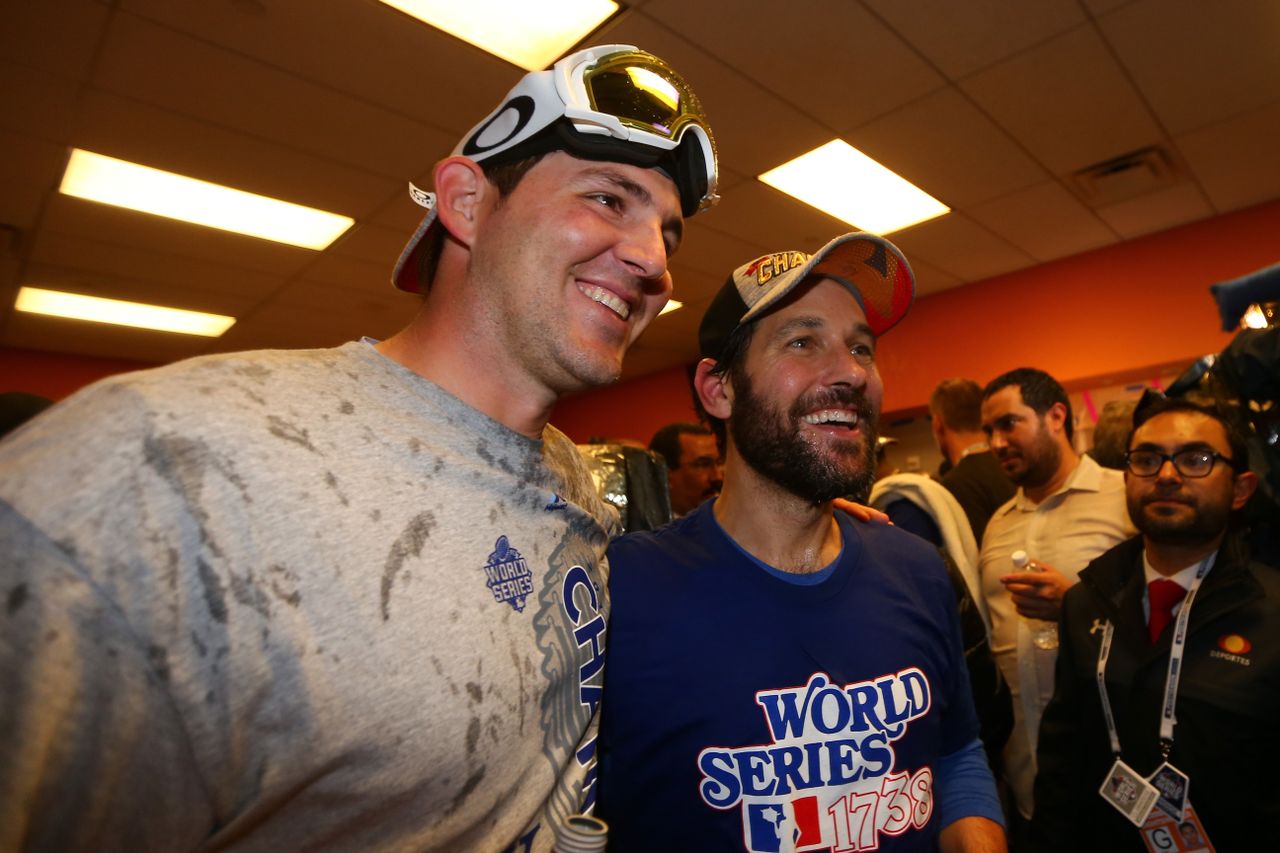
1191, 462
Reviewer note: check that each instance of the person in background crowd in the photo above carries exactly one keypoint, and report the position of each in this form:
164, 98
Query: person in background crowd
920, 505
780, 676
884, 468
693, 464
973, 474
353, 599
1110, 432
1183, 591
1066, 511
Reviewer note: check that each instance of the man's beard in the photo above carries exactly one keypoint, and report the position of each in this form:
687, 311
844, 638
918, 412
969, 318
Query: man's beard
1208, 519
770, 441
1042, 459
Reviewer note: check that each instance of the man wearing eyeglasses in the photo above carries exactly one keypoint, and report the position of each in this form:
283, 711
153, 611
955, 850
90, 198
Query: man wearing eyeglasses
1173, 637
354, 599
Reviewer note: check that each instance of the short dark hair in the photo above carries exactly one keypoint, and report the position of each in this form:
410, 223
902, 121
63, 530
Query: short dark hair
666, 441
1039, 391
730, 365
1231, 425
957, 403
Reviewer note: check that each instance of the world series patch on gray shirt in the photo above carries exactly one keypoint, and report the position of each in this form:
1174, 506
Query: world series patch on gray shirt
294, 601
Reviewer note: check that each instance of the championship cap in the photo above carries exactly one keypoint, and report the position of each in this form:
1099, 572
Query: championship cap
871, 267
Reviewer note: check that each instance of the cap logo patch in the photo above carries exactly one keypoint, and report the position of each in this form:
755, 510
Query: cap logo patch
769, 266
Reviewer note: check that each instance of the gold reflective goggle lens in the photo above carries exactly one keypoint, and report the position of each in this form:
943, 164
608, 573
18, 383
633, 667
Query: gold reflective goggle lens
642, 93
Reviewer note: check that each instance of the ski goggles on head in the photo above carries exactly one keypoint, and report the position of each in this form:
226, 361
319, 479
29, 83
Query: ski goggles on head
614, 103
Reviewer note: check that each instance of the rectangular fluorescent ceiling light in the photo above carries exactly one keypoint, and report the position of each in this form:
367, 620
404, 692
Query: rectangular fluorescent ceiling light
840, 180
529, 34
672, 305
75, 306
124, 184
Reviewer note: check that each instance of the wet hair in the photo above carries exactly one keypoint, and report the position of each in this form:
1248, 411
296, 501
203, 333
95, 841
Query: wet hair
1236, 435
666, 441
958, 404
1039, 391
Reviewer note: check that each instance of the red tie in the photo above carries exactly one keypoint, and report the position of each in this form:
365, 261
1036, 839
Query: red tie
1163, 595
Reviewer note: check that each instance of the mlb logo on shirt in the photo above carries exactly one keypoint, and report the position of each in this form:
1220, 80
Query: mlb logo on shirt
769, 823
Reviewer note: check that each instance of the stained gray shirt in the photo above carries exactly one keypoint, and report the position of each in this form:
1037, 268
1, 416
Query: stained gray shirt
294, 601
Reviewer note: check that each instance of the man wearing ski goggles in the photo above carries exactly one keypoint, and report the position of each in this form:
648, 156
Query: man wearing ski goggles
613, 103
365, 603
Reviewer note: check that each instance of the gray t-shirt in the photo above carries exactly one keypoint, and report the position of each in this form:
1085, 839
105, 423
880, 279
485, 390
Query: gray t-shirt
294, 601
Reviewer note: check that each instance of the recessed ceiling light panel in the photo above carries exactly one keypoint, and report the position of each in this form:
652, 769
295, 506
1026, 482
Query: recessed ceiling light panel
841, 181
118, 182
77, 306
529, 34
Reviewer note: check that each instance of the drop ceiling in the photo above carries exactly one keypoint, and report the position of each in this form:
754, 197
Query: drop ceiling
992, 106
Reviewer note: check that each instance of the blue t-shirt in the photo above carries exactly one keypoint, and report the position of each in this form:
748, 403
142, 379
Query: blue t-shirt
741, 709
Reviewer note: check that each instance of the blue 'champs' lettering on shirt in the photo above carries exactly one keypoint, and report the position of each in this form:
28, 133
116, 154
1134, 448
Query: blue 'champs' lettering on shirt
588, 634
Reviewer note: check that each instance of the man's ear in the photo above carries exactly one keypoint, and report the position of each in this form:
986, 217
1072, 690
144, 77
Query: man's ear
714, 390
1245, 484
1057, 415
461, 190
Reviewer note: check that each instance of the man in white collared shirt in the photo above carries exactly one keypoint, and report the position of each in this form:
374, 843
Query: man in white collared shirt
1192, 694
1067, 510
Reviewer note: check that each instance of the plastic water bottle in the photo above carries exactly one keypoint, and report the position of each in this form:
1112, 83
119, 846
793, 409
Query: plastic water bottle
1044, 635
581, 833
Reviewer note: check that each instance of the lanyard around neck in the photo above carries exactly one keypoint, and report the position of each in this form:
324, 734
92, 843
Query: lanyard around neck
1167, 719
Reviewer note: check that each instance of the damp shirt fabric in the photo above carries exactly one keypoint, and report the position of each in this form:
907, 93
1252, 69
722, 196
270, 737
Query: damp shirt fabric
745, 710
301, 600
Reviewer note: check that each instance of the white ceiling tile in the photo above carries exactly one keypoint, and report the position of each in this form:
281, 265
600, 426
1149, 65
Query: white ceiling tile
713, 249
365, 49
1197, 64
1045, 221
257, 99
1237, 161
754, 129
371, 243
763, 216
94, 259
961, 38
959, 246
37, 103
57, 36
35, 331
930, 279
1157, 211
850, 68
367, 276
90, 220
154, 137
1067, 101
946, 146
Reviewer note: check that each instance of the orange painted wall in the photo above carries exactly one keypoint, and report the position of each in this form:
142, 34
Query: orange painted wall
55, 375
1116, 310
